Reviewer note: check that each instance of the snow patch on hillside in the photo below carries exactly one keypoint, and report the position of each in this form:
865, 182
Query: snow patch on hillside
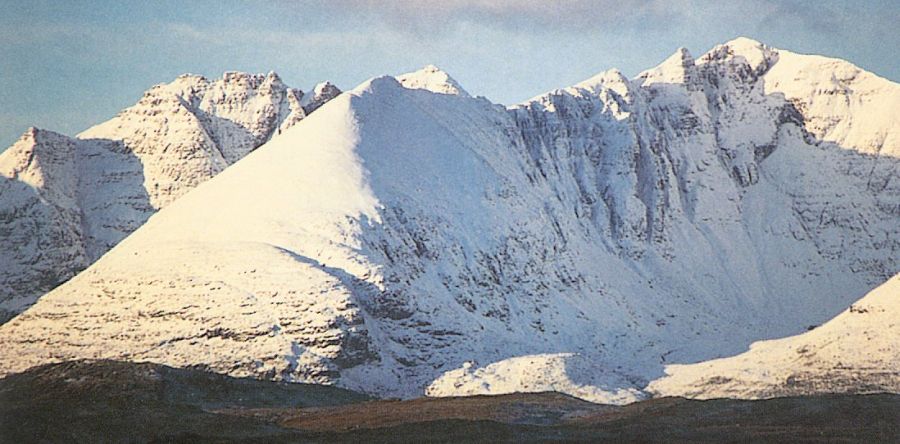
561, 372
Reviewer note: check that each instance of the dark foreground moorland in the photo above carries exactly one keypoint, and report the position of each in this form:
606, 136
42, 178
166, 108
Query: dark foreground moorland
106, 401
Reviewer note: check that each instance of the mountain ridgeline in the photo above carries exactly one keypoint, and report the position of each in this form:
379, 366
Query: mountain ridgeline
65, 201
409, 239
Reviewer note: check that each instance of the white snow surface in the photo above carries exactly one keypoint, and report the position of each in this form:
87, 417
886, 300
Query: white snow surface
561, 372
431, 78
585, 239
857, 352
64, 201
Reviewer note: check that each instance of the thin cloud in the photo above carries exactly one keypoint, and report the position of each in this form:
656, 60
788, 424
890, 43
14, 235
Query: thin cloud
228, 36
440, 16
539, 15
536, 16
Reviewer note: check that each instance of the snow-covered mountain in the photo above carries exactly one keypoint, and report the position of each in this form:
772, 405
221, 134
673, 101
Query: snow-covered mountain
856, 352
65, 201
409, 238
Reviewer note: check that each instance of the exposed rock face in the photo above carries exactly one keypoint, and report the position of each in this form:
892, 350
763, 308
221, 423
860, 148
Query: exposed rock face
408, 236
322, 93
39, 218
64, 202
191, 129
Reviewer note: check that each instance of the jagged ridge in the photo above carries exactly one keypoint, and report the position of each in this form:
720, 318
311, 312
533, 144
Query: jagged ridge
66, 201
400, 239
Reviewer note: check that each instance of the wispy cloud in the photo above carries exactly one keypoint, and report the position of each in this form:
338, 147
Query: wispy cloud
544, 15
227, 36
537, 16
418, 16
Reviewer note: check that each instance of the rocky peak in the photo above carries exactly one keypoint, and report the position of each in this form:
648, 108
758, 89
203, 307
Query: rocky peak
758, 56
228, 117
44, 160
40, 230
677, 69
326, 89
273, 77
67, 201
321, 93
612, 79
244, 79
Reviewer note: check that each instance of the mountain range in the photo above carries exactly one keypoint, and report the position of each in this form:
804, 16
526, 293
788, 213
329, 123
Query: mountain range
407, 238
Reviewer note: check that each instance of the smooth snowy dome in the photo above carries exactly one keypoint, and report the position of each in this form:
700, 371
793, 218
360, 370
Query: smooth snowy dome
433, 79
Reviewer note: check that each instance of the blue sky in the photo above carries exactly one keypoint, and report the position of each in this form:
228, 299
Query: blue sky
65, 65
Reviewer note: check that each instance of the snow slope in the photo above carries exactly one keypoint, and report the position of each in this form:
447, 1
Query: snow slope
857, 352
407, 238
432, 78
66, 201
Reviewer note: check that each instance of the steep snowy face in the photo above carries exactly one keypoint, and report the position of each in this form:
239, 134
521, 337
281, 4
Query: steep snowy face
404, 241
842, 107
840, 102
38, 215
677, 144
43, 160
314, 249
68, 201
677, 69
191, 129
856, 352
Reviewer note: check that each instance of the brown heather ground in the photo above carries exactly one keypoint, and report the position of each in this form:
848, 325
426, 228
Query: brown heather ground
105, 401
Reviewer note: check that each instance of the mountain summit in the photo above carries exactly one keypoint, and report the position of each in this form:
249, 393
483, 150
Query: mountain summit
406, 238
432, 78
67, 201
